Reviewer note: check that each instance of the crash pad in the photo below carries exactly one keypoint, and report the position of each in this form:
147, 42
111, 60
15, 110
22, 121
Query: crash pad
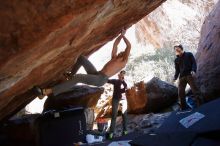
201, 120
202, 141
164, 139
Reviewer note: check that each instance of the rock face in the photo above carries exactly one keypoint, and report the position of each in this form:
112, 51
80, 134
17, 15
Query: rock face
39, 40
80, 96
176, 21
156, 96
208, 55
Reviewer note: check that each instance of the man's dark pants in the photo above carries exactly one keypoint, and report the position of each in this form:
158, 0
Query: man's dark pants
181, 90
115, 104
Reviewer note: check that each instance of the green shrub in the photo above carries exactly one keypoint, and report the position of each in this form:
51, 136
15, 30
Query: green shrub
159, 64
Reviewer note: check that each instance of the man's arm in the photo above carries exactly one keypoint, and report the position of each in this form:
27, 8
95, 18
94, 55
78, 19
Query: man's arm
111, 81
115, 46
128, 48
177, 69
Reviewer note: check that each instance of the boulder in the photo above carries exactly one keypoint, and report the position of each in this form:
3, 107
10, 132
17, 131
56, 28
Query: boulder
160, 95
84, 96
39, 40
208, 60
153, 96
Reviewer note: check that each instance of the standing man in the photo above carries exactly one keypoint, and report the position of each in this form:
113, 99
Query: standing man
93, 77
185, 69
119, 88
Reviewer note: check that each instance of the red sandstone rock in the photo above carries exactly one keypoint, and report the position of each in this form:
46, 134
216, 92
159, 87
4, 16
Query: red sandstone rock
208, 59
175, 21
137, 99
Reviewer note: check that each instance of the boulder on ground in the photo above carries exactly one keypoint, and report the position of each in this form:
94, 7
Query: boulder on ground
83, 95
153, 96
160, 95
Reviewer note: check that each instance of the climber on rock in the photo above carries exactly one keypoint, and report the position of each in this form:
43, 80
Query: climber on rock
93, 77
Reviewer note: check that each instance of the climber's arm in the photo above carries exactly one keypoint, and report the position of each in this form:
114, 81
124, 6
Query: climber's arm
128, 48
115, 46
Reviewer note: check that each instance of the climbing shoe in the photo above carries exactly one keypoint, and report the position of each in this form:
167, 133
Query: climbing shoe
110, 136
39, 92
125, 132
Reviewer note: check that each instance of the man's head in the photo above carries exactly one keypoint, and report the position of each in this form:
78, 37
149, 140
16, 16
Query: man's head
121, 75
178, 50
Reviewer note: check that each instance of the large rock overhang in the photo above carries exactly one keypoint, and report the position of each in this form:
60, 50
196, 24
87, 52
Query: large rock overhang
39, 40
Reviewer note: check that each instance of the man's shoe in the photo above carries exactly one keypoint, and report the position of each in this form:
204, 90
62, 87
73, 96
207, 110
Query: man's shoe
125, 132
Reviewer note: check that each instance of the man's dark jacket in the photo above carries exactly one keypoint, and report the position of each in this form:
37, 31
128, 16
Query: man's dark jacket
184, 65
117, 93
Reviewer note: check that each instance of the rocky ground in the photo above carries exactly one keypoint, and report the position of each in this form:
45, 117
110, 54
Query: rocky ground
145, 123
